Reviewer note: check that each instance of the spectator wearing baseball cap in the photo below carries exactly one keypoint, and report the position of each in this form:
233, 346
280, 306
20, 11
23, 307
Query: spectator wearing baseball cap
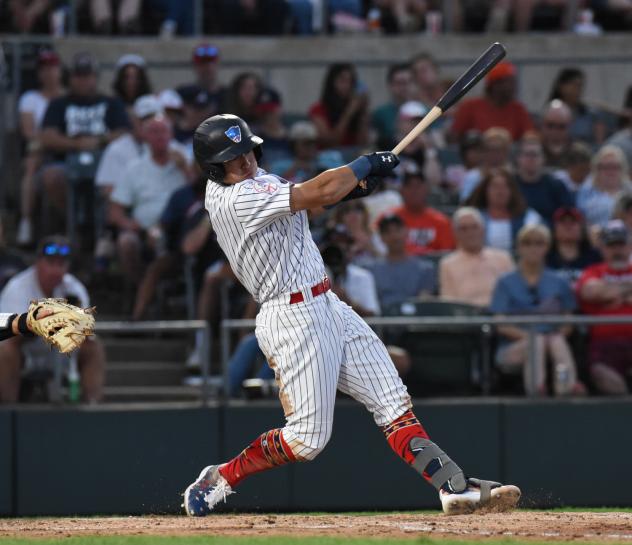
428, 229
127, 147
82, 121
31, 108
498, 107
205, 96
205, 61
605, 289
49, 277
131, 79
269, 126
571, 251
420, 154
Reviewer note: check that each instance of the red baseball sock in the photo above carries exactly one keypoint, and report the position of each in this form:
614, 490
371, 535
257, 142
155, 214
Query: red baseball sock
265, 452
399, 433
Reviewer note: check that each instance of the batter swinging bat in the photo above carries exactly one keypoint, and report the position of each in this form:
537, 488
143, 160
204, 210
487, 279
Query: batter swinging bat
470, 77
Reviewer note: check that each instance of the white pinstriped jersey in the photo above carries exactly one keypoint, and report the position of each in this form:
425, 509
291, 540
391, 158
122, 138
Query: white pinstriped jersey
270, 250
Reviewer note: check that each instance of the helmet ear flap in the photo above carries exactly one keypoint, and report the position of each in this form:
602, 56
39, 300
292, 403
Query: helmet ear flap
216, 172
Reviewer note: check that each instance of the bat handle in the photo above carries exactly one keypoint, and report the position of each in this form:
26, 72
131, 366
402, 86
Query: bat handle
428, 119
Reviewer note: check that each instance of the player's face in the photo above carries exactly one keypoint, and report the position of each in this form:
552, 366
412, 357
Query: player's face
241, 168
50, 272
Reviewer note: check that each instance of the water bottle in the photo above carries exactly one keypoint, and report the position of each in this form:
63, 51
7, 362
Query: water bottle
74, 381
373, 21
562, 378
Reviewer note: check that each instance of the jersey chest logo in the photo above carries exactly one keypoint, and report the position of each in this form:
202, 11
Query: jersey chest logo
234, 133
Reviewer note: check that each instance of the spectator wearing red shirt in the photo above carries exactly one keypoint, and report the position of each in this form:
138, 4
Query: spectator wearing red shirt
342, 114
606, 289
428, 229
497, 108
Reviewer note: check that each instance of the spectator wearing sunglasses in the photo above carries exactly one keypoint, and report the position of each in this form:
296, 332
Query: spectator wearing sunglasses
205, 96
48, 277
533, 289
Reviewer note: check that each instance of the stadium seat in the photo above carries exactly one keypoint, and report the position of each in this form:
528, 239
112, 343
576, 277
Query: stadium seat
445, 361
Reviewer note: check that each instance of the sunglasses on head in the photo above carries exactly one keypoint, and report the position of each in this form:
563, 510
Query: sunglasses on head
206, 51
61, 250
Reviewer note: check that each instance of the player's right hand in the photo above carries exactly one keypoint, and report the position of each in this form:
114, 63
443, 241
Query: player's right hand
382, 162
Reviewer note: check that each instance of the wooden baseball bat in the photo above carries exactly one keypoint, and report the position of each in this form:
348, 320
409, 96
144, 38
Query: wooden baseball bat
481, 66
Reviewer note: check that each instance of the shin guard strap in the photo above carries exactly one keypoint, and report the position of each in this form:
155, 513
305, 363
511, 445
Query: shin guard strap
425, 452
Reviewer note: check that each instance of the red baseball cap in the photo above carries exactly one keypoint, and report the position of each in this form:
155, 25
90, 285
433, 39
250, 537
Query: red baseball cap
47, 57
568, 212
500, 71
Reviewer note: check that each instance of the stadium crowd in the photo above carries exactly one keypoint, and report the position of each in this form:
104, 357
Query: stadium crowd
505, 210
169, 18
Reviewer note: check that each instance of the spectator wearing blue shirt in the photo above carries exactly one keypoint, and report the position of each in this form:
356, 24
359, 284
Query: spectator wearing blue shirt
533, 289
399, 276
542, 191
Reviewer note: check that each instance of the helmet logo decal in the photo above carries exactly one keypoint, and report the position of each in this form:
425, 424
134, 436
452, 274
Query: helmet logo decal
234, 133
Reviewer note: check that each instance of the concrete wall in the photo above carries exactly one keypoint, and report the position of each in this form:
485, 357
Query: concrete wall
115, 461
296, 65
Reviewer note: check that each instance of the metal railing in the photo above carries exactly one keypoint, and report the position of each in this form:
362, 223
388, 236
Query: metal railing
485, 324
170, 326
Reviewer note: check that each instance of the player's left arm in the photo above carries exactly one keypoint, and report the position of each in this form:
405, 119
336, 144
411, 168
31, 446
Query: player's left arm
331, 186
12, 325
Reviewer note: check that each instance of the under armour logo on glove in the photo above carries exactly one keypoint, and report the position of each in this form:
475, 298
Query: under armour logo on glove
382, 162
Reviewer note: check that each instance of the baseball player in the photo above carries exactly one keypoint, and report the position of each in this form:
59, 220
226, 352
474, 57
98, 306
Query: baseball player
312, 340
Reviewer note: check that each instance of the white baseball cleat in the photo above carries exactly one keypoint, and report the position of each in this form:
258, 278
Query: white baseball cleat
206, 492
480, 495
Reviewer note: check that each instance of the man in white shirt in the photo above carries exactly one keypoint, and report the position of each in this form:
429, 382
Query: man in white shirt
49, 277
138, 200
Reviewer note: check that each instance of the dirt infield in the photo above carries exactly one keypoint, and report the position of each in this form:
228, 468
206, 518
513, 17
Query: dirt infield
549, 526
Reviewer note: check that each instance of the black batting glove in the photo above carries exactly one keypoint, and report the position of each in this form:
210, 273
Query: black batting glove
382, 162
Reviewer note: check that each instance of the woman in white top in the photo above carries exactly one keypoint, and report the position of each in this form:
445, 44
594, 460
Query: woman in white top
32, 107
504, 209
609, 179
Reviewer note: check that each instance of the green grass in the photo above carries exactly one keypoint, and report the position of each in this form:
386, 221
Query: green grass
248, 540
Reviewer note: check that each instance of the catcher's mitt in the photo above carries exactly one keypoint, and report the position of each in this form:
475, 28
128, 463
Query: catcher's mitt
60, 324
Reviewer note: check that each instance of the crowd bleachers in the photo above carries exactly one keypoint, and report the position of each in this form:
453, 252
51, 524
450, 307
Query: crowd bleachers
114, 172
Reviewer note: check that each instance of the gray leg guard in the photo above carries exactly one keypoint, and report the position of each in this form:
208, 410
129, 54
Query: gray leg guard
425, 452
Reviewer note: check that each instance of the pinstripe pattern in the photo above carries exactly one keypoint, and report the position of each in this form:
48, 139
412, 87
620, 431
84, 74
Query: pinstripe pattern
317, 346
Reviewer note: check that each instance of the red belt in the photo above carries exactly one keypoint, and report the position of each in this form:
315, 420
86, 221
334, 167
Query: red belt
318, 289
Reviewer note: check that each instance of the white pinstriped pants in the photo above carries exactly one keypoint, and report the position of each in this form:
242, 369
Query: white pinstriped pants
316, 347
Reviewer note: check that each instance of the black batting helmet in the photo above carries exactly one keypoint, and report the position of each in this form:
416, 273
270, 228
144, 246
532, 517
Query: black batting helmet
222, 138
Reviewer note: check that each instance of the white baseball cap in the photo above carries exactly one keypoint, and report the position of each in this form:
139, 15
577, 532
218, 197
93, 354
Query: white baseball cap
412, 108
146, 106
170, 99
131, 58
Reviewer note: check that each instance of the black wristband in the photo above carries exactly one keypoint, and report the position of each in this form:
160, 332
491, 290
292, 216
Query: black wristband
22, 327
